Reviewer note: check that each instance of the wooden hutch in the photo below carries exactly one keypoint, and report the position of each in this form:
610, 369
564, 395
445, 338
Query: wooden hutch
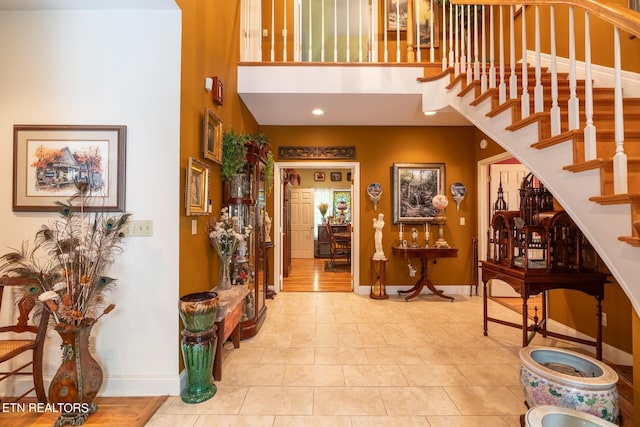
537, 249
245, 196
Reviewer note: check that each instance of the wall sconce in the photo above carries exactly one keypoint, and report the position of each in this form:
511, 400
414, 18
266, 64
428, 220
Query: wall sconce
217, 91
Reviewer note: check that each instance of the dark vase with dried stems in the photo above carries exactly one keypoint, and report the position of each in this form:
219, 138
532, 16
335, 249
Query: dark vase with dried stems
79, 377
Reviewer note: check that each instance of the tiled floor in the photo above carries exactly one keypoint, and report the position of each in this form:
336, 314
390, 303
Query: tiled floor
340, 359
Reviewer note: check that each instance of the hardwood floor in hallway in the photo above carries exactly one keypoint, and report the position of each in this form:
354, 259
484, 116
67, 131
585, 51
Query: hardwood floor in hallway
308, 275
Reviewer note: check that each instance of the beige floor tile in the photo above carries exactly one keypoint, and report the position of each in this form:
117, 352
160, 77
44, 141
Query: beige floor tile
472, 421
171, 420
340, 356
278, 401
433, 375
311, 421
288, 356
248, 375
393, 356
504, 374
391, 421
486, 400
227, 400
348, 401
233, 421
314, 375
417, 401
342, 359
373, 376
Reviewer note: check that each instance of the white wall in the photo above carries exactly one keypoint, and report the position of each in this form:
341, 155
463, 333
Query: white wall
113, 67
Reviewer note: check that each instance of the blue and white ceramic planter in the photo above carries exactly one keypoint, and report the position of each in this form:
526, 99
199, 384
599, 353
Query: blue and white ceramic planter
553, 376
555, 416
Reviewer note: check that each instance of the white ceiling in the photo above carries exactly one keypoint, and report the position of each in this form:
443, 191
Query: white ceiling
349, 96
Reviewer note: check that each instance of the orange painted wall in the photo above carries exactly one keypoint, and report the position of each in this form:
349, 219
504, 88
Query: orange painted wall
377, 149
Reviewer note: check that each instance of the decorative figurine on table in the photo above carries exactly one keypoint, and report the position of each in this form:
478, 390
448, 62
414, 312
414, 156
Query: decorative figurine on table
267, 227
440, 202
378, 225
414, 238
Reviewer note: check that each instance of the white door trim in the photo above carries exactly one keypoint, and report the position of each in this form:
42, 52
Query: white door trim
277, 215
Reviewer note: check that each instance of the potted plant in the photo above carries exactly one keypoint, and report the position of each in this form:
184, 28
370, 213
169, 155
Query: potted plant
67, 270
234, 153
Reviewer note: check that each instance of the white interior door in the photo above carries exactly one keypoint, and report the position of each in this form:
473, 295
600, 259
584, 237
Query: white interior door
302, 223
511, 176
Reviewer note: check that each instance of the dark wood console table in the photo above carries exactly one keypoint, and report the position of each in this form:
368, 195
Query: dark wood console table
425, 254
529, 282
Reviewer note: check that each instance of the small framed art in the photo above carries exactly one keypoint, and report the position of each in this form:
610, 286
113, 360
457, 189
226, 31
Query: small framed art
197, 188
212, 136
318, 176
336, 176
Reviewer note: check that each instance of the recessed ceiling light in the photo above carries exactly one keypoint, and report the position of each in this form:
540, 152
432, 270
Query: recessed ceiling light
429, 113
317, 112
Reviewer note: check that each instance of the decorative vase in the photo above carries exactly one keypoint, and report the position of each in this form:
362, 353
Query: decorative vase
198, 352
225, 273
78, 378
198, 311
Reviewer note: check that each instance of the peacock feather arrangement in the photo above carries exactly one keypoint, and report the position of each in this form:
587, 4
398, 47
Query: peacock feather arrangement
67, 266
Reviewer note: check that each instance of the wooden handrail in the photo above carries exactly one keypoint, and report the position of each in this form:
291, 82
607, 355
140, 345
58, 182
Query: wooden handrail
621, 16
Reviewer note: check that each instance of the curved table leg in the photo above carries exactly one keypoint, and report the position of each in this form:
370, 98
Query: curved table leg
437, 291
414, 290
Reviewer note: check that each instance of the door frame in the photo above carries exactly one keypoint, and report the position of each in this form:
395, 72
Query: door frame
483, 206
355, 216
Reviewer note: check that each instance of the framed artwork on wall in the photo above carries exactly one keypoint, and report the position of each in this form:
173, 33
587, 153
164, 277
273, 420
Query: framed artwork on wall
197, 188
318, 176
414, 185
396, 15
50, 159
212, 136
336, 176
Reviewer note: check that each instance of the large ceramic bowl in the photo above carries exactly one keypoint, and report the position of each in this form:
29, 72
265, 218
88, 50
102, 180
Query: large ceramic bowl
555, 416
558, 377
198, 311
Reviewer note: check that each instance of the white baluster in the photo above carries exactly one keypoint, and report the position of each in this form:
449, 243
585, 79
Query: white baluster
335, 30
492, 50
469, 53
483, 74
284, 33
417, 29
457, 38
386, 47
451, 32
620, 185
589, 129
349, 34
513, 78
310, 53
397, 32
502, 87
432, 49
555, 108
322, 38
476, 62
273, 49
444, 37
360, 33
573, 104
524, 99
538, 92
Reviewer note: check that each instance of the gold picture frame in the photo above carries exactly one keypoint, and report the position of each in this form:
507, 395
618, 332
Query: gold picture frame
396, 15
197, 188
212, 136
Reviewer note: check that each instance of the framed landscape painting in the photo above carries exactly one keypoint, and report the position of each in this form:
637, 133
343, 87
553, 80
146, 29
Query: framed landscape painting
50, 159
414, 185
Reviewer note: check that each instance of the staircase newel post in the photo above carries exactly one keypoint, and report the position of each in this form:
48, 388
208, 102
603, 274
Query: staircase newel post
620, 184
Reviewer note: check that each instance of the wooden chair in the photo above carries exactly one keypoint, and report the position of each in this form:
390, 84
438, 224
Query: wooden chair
14, 343
340, 246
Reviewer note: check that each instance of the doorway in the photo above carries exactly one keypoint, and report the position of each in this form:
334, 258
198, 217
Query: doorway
354, 168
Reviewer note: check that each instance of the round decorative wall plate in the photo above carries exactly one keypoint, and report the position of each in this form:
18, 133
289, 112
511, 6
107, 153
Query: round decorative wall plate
374, 189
